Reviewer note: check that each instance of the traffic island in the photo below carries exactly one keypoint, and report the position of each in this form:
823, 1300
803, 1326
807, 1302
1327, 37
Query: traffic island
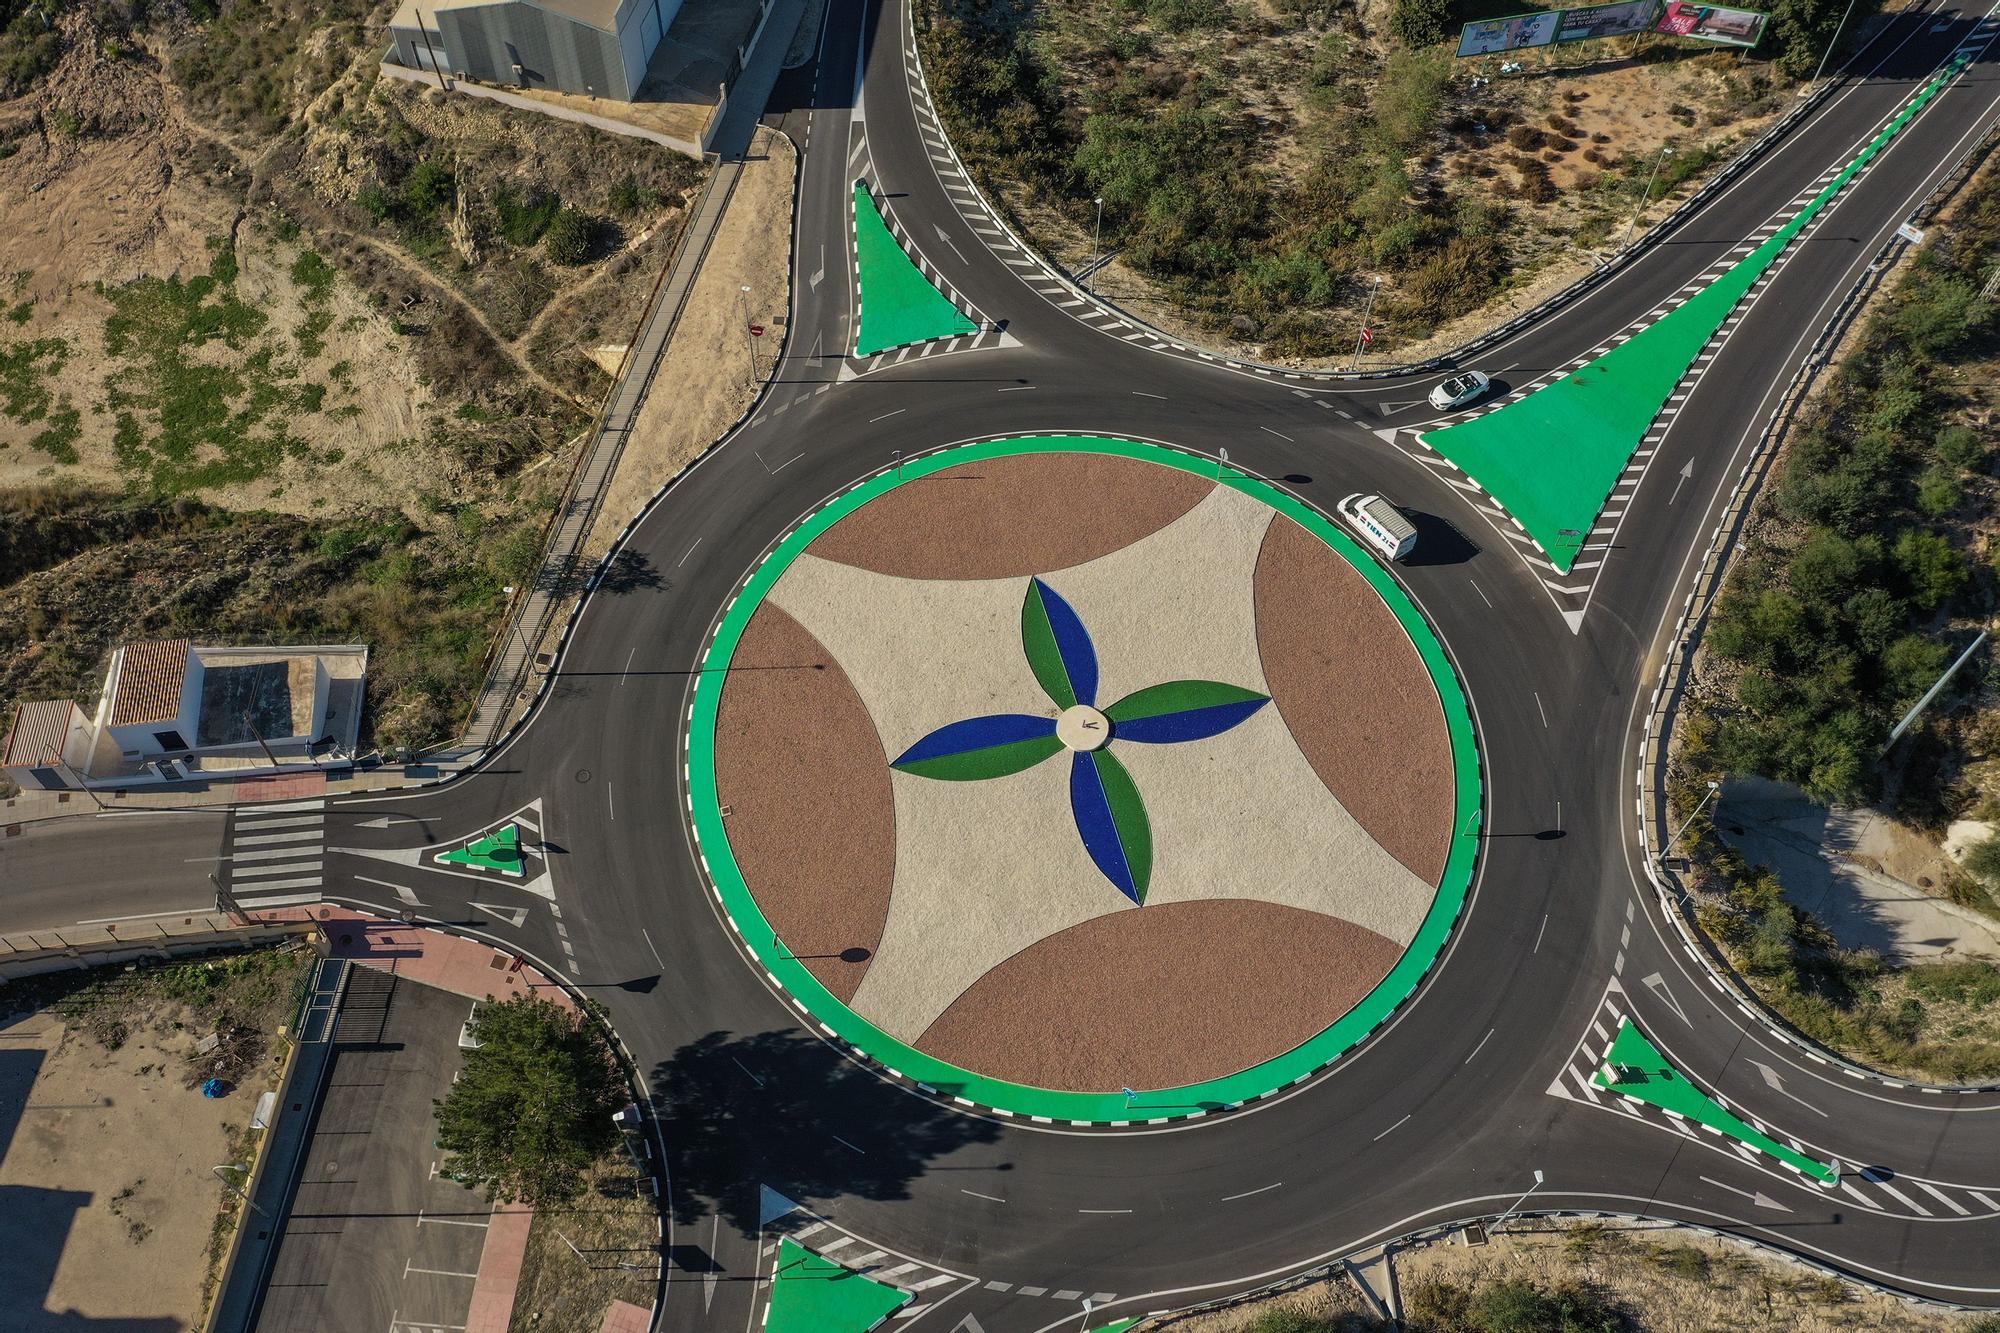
811, 1294
899, 305
499, 850
1063, 776
1633, 1067
1551, 458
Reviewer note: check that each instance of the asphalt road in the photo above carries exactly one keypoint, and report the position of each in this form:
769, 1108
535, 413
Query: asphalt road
1446, 1112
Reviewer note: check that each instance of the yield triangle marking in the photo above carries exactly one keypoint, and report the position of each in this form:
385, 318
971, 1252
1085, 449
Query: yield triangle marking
513, 916
1390, 409
1384, 435
1574, 619
967, 1325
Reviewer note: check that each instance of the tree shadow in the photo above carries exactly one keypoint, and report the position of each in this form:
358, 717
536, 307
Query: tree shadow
628, 571
766, 1109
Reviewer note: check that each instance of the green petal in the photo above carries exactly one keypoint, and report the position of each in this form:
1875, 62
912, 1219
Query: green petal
1128, 814
1178, 696
995, 761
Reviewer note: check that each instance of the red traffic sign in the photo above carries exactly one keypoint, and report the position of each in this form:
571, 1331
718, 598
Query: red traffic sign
1367, 335
756, 330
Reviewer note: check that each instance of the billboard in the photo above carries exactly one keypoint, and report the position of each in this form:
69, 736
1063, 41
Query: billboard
1713, 23
1492, 36
1615, 20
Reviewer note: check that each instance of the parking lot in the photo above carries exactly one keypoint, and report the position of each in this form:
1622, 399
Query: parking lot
376, 1239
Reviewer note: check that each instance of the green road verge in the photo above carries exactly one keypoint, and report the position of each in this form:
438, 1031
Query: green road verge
1635, 1068
898, 303
499, 850
1551, 458
1112, 1106
810, 1294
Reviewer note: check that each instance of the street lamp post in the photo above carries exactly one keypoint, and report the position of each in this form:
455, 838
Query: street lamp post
231, 1186
1713, 788
1096, 234
1361, 334
1499, 1221
1832, 42
1647, 197
749, 339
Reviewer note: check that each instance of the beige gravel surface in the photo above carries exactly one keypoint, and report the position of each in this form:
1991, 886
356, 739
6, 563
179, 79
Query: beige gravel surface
1356, 696
1010, 517
986, 869
1160, 998
811, 821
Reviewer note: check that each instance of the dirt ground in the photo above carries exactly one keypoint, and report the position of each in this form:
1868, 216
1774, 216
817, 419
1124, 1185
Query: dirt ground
105, 1157
616, 1226
704, 382
1666, 1280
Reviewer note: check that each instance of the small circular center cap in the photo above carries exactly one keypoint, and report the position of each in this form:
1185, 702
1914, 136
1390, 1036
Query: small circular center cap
1083, 728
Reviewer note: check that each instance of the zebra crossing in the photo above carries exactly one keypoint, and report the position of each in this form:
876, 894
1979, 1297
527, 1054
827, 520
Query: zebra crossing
1878, 1189
926, 1283
273, 854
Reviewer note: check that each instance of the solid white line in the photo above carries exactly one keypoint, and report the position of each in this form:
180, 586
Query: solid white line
886, 415
682, 561
1482, 1045
1538, 934
977, 1195
845, 1144
1482, 594
449, 1222
1247, 1193
148, 916
1105, 1212
1280, 434
435, 1272
1539, 708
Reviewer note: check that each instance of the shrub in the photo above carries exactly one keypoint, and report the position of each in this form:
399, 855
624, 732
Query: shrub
626, 196
571, 236
1960, 446
427, 188
1938, 491
1983, 860
1419, 23
523, 219
1933, 569
373, 200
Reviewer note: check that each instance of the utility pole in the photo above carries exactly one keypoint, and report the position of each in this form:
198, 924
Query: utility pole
231, 1186
749, 339
1361, 337
437, 68
1647, 197
1832, 42
1713, 788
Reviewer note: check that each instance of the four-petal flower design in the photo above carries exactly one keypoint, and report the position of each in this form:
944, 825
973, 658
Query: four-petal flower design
1110, 817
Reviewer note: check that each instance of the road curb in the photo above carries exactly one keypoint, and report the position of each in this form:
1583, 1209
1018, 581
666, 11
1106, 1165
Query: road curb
1671, 684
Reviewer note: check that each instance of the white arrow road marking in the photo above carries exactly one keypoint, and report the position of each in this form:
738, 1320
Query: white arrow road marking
1777, 1085
1757, 1197
513, 916
947, 240
408, 897
1686, 475
968, 1325
714, 1269
819, 274
1657, 984
542, 886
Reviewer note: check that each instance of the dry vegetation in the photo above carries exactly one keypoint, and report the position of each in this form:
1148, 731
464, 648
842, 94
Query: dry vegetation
615, 1229
247, 282
1262, 162
1592, 1277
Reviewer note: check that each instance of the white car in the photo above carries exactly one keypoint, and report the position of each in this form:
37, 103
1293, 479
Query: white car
1459, 390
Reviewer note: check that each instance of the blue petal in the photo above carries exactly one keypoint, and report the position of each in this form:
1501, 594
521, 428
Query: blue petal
1192, 724
1092, 809
978, 733
1079, 655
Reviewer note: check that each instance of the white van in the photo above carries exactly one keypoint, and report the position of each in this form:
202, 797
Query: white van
1380, 524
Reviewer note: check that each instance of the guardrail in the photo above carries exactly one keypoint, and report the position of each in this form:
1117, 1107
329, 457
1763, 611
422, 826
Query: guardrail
1670, 689
1584, 285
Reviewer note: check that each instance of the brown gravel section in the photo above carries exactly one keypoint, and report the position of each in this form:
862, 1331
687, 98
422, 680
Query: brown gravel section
1349, 684
1011, 517
811, 819
1157, 997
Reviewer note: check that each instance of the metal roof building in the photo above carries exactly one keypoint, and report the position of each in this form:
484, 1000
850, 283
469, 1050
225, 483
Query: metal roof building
595, 47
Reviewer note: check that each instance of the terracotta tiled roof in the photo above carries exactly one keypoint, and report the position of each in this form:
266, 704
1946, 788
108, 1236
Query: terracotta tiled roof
38, 732
149, 683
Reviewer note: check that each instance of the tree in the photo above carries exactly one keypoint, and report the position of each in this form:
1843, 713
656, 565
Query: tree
1419, 23
570, 236
427, 188
532, 1108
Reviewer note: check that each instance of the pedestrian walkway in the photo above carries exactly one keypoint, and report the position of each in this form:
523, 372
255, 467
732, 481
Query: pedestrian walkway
812, 1294
898, 303
273, 854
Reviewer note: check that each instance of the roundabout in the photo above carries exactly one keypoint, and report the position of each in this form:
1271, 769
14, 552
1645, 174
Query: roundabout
1080, 779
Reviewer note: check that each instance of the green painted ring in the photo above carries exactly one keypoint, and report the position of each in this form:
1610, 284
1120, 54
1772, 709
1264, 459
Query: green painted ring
1045, 1104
